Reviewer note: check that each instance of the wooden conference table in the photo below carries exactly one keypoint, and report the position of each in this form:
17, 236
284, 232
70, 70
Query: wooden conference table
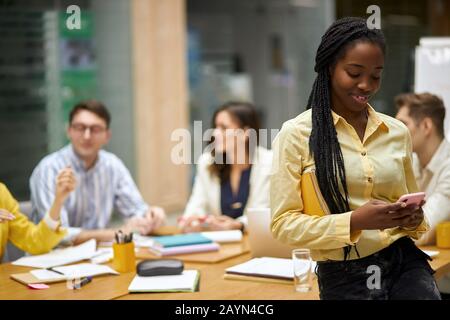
212, 284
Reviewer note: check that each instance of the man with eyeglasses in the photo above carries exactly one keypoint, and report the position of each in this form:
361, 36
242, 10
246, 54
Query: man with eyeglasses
104, 183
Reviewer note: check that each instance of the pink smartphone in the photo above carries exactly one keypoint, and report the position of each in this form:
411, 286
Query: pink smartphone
412, 198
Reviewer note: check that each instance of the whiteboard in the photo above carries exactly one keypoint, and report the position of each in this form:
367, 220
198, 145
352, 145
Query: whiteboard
432, 72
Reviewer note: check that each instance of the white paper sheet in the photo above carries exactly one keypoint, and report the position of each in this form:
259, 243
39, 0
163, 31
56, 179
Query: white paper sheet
183, 282
73, 271
102, 255
59, 257
224, 236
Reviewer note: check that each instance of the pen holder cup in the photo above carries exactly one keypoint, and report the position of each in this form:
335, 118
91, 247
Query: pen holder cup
124, 257
443, 235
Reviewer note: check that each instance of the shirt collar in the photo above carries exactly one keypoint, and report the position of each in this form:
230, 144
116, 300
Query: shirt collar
79, 163
439, 156
372, 121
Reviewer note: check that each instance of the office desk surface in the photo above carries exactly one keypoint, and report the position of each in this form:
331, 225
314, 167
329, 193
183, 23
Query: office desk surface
212, 285
101, 288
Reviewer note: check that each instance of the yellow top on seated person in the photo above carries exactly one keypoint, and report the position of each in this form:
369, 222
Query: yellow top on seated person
24, 234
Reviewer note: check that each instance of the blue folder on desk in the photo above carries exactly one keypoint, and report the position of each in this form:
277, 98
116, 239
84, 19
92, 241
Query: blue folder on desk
181, 240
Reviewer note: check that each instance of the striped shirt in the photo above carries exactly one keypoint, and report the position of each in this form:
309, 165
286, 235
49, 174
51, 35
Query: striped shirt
106, 186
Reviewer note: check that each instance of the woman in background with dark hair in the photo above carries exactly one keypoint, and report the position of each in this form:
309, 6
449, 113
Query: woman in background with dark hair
362, 162
233, 176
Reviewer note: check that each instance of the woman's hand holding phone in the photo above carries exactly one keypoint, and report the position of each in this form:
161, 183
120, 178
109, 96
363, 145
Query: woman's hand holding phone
377, 214
413, 198
413, 210
414, 216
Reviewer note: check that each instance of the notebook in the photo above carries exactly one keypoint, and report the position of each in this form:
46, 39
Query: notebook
73, 271
205, 247
266, 267
180, 240
185, 282
277, 268
313, 202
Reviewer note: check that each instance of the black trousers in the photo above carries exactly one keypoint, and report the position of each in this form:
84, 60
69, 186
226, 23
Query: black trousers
398, 272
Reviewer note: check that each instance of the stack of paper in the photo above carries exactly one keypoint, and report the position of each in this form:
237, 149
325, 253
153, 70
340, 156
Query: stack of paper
185, 282
161, 251
73, 271
180, 240
60, 257
265, 267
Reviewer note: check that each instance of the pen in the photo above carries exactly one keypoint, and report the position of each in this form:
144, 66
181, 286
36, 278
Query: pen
53, 270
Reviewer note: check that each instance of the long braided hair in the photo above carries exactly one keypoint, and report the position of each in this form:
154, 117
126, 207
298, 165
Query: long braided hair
323, 142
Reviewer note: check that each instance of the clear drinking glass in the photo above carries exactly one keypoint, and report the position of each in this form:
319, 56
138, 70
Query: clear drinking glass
302, 262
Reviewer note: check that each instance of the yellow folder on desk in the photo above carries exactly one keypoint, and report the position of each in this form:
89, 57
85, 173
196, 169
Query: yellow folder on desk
313, 202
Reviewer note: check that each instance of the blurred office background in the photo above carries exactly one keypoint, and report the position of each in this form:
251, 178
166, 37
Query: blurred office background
161, 64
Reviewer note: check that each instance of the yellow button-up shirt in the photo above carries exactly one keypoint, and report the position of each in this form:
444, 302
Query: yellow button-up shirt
25, 235
379, 167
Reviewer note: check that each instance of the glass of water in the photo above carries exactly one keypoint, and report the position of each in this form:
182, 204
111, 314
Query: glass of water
302, 262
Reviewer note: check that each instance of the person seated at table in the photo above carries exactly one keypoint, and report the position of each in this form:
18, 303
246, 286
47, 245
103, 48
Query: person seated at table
104, 183
24, 234
424, 115
233, 176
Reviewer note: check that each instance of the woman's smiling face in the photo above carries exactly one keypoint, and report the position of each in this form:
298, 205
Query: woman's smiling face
356, 77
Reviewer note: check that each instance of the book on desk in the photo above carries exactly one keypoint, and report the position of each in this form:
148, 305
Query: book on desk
185, 249
182, 244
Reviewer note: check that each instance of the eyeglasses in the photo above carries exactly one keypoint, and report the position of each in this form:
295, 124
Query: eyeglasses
94, 130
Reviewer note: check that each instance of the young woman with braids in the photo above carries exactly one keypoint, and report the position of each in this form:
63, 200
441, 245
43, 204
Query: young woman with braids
362, 161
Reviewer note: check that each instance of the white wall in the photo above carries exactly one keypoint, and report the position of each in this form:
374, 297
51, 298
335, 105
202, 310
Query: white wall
433, 72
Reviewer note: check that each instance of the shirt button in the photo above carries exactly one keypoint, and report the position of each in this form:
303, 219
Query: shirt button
363, 153
369, 179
